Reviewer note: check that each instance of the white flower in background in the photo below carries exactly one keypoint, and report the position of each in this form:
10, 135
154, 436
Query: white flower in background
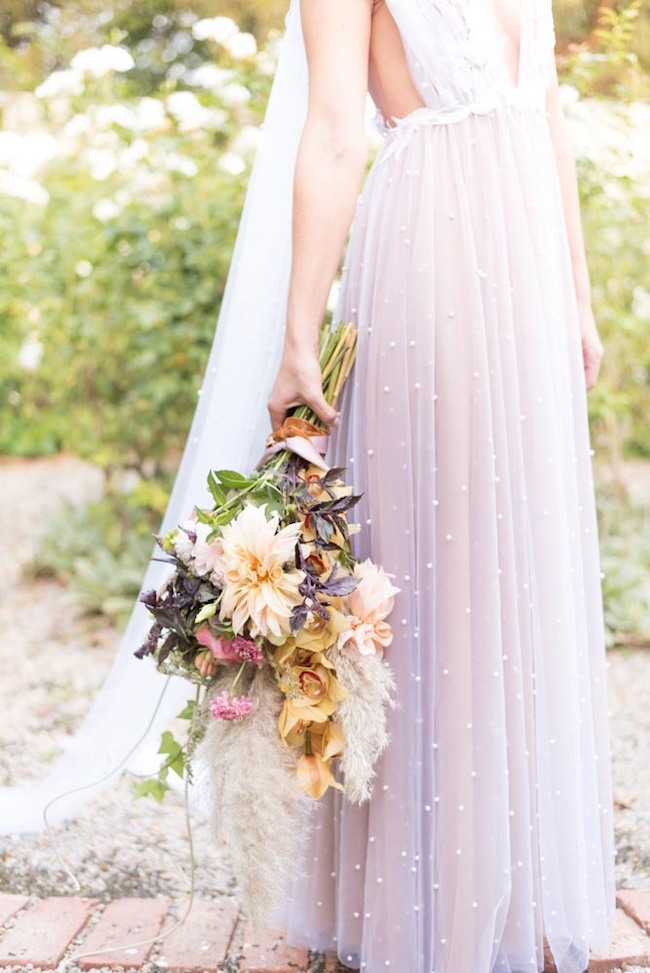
79, 124
234, 94
83, 268
23, 154
143, 182
136, 151
101, 163
31, 352
175, 162
231, 163
150, 114
106, 209
247, 140
187, 110
209, 76
641, 303
21, 188
191, 115
241, 45
266, 63
65, 82
99, 61
219, 29
117, 114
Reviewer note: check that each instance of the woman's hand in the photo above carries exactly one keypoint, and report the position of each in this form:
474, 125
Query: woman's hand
592, 346
299, 382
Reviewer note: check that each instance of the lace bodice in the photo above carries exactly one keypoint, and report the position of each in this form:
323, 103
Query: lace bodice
457, 58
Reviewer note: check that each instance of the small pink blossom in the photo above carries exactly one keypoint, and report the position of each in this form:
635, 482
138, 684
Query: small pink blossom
227, 707
207, 553
248, 650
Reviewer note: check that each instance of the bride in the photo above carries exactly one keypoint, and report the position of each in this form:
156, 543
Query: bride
489, 833
465, 428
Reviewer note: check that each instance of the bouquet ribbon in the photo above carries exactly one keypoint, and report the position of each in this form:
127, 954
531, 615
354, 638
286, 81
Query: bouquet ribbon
298, 436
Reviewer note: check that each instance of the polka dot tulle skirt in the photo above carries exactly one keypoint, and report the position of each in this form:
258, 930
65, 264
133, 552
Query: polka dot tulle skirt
489, 831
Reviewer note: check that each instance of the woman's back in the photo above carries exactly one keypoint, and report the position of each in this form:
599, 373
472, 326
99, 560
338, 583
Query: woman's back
451, 53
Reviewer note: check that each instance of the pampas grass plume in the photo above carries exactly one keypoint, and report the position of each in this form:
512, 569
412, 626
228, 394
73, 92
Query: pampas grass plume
255, 802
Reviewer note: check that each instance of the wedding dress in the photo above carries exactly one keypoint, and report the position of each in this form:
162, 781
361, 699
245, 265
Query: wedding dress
465, 428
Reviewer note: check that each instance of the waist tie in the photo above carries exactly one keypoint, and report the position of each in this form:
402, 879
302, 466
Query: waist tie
399, 135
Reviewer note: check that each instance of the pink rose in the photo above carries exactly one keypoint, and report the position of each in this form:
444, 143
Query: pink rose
221, 649
370, 604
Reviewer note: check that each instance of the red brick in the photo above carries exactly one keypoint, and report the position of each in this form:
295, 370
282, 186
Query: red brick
42, 933
629, 946
123, 923
270, 954
10, 905
202, 942
637, 906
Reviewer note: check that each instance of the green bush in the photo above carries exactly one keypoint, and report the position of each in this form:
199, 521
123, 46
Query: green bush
116, 258
100, 549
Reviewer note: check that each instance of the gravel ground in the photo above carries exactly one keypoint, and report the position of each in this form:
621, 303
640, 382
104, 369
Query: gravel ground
118, 849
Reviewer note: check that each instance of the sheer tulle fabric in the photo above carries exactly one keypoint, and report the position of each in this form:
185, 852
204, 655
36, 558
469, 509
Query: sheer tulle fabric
490, 825
228, 430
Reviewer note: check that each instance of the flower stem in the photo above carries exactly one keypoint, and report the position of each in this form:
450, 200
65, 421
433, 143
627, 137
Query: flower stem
239, 672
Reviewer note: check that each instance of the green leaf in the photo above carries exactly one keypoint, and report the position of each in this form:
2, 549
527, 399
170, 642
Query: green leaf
224, 518
219, 496
168, 743
232, 480
187, 713
178, 765
152, 787
202, 517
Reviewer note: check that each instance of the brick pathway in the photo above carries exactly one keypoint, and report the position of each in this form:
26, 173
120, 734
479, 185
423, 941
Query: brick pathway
40, 933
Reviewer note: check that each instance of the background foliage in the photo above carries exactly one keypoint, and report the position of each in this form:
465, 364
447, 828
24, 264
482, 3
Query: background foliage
122, 175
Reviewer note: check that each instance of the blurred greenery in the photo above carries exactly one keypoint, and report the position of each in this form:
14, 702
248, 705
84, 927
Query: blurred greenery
122, 176
624, 525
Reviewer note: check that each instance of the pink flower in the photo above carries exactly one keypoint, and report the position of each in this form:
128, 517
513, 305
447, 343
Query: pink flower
227, 707
248, 650
222, 649
207, 554
370, 604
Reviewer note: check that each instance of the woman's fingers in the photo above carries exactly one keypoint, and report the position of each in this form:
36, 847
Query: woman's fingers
325, 412
279, 405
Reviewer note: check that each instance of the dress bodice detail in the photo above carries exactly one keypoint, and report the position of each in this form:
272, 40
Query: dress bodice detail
459, 66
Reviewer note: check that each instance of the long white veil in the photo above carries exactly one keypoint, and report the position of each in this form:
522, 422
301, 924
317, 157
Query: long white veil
228, 430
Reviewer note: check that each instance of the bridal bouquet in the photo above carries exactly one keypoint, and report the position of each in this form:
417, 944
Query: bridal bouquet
283, 631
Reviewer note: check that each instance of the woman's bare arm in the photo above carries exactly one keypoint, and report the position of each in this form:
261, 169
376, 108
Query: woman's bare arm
592, 346
330, 165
